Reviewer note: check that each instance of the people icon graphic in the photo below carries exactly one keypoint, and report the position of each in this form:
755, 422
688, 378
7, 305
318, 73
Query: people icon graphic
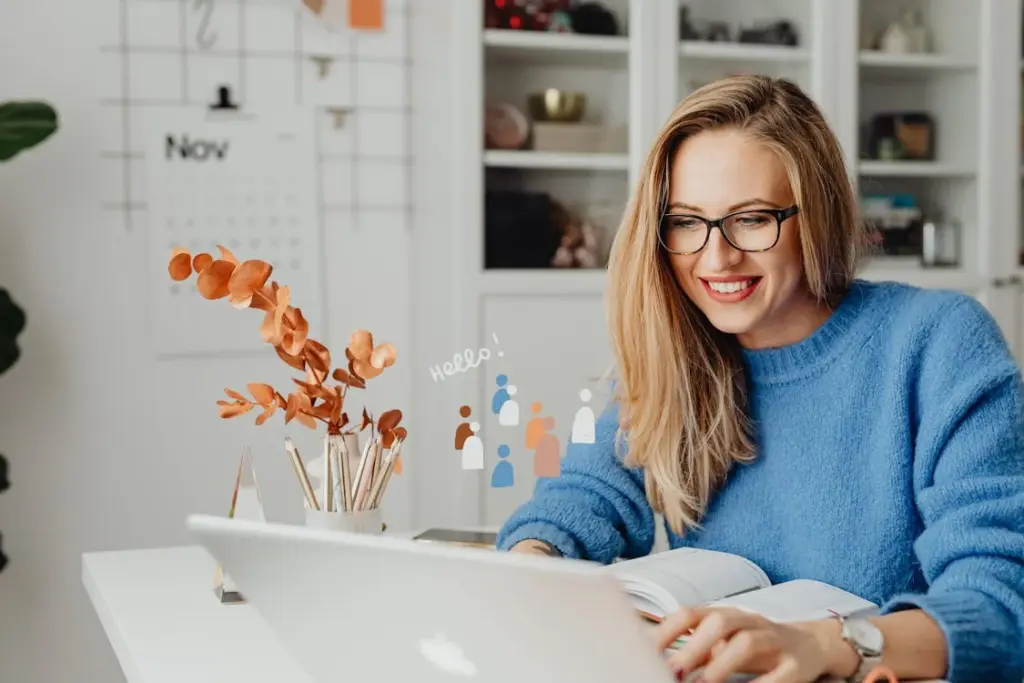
462, 432
547, 461
473, 449
535, 427
503, 475
508, 416
501, 395
583, 424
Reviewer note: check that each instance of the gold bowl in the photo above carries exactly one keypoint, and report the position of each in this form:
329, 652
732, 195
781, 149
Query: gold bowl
557, 105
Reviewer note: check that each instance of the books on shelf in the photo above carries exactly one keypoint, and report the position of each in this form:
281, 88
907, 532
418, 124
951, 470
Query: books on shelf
663, 583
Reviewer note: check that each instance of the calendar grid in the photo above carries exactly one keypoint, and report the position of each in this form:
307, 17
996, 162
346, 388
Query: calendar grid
193, 43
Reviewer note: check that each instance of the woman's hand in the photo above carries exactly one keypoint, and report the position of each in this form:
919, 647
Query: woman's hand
726, 641
533, 547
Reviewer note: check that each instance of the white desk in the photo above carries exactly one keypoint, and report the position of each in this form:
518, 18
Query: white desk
166, 626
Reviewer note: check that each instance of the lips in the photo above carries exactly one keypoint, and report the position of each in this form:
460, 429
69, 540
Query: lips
731, 290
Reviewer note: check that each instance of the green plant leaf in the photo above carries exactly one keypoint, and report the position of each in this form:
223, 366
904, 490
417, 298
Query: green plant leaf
23, 125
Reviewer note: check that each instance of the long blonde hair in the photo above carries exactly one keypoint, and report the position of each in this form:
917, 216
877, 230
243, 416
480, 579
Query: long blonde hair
680, 384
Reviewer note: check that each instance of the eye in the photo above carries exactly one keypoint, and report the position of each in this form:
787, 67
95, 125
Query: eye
683, 222
752, 220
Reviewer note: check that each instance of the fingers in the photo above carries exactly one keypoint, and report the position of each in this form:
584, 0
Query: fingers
678, 624
740, 652
714, 625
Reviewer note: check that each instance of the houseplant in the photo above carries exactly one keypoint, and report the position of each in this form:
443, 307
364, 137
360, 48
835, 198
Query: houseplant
23, 124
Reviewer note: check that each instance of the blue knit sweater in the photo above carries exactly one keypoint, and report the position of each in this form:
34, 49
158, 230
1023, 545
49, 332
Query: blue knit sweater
890, 464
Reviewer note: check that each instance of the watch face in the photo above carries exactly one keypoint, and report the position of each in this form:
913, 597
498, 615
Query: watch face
866, 635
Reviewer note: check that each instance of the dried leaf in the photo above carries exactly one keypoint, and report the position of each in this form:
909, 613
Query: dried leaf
264, 300
401, 433
306, 421
350, 380
235, 395
388, 420
361, 344
387, 439
317, 356
343, 421
246, 280
336, 404
180, 265
297, 331
281, 402
291, 408
266, 414
323, 410
297, 362
315, 377
364, 369
367, 420
227, 255
213, 281
235, 409
263, 393
314, 390
200, 262
384, 356
272, 329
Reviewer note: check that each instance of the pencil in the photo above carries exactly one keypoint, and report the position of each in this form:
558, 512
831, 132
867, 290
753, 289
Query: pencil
363, 475
377, 492
300, 472
328, 483
338, 446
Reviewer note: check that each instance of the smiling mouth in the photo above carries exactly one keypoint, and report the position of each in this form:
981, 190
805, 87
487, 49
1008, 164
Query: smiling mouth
731, 291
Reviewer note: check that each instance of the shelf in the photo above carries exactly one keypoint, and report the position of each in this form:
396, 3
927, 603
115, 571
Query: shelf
543, 282
874, 59
568, 161
726, 51
913, 169
545, 49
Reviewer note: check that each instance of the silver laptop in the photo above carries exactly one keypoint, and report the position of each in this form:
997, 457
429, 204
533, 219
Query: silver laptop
354, 607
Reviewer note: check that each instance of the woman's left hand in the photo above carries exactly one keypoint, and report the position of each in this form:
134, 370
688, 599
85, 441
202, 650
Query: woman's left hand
726, 641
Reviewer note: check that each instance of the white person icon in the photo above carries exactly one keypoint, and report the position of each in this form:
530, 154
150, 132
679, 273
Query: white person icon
583, 424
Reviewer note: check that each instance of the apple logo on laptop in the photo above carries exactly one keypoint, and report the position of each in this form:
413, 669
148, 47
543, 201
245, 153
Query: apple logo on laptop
446, 655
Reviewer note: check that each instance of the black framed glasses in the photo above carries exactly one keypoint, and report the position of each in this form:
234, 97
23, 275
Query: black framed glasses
751, 230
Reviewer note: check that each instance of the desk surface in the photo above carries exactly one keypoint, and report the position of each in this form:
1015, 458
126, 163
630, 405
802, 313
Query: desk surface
159, 612
165, 625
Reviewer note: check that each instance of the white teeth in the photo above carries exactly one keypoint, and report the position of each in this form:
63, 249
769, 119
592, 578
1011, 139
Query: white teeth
730, 287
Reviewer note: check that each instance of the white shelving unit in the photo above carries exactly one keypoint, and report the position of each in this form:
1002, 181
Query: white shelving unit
970, 84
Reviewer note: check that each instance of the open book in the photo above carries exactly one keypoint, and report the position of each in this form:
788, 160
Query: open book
663, 583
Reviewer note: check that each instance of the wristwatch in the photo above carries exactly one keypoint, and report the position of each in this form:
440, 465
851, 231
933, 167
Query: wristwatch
866, 638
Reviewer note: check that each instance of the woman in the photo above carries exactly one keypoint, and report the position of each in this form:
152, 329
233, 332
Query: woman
771, 405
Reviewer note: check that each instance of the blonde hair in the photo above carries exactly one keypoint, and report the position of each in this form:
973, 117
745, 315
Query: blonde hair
680, 383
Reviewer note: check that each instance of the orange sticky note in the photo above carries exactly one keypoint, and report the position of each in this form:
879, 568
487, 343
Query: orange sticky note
366, 14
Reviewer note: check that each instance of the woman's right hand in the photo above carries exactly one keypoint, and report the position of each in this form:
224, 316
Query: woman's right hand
534, 547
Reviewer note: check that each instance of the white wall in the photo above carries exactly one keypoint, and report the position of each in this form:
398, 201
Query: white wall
110, 449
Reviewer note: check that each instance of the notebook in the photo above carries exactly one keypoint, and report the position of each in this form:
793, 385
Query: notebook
662, 583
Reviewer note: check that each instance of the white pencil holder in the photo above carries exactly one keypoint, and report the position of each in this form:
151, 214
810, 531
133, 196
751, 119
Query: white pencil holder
357, 522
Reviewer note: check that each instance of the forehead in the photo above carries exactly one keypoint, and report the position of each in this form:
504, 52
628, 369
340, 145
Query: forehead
716, 169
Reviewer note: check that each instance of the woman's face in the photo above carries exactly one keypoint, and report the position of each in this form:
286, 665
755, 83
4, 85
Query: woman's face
758, 296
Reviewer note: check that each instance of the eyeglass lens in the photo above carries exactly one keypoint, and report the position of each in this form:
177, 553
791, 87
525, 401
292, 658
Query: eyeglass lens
748, 231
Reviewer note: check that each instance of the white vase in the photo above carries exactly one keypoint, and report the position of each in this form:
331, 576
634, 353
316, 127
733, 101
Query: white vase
896, 39
358, 522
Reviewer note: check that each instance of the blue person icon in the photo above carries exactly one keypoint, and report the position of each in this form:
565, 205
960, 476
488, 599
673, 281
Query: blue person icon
501, 395
503, 475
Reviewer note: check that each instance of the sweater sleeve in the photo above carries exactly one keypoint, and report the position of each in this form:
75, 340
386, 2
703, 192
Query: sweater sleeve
969, 492
595, 510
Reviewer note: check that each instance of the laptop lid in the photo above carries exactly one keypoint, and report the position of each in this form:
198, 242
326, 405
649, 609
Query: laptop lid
354, 607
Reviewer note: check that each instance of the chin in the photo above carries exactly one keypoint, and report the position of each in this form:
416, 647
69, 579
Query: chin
731, 322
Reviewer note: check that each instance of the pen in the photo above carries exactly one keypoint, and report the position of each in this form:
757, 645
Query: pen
300, 472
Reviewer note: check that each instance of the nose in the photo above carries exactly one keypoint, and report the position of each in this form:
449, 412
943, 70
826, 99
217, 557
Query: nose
718, 255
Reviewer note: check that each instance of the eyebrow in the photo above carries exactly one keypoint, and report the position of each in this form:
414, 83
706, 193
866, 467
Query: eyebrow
735, 207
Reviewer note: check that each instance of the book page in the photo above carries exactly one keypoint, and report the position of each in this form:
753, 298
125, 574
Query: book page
800, 600
662, 583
